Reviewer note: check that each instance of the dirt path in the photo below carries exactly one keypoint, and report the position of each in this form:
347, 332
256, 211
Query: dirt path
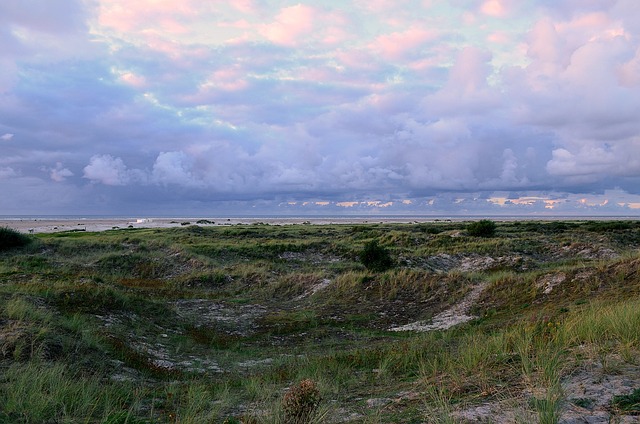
455, 315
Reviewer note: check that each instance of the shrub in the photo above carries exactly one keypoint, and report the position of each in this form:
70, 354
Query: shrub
301, 402
375, 257
482, 228
627, 404
10, 239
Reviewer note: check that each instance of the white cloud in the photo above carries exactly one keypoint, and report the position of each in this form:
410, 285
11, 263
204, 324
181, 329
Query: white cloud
59, 173
7, 173
110, 171
370, 99
173, 168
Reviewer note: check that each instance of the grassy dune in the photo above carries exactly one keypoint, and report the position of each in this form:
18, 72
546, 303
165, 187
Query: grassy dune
289, 324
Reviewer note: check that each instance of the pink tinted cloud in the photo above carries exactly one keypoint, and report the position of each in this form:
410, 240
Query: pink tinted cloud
335, 35
398, 44
467, 89
335, 27
290, 25
378, 6
229, 79
357, 60
239, 24
496, 8
469, 74
629, 72
554, 46
502, 8
125, 16
244, 6
546, 48
59, 173
133, 80
589, 22
499, 37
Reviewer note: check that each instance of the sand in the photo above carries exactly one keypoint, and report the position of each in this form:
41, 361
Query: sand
45, 225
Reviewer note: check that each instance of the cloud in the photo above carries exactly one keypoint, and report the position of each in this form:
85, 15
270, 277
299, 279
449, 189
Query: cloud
44, 16
494, 8
173, 168
290, 26
244, 6
397, 45
145, 15
160, 103
59, 173
110, 171
7, 173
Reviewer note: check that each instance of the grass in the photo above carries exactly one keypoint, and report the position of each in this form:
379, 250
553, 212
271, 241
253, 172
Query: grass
265, 308
35, 393
629, 404
12, 239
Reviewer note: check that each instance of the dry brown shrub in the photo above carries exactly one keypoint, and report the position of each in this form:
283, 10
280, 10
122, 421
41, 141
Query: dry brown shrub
300, 402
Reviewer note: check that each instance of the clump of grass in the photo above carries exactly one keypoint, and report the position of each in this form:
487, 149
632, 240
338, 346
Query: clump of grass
292, 285
288, 322
20, 309
12, 239
609, 324
213, 279
89, 298
627, 404
53, 393
482, 228
301, 402
375, 257
133, 265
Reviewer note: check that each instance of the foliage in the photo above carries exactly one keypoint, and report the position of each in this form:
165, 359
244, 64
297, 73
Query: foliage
186, 324
375, 257
482, 228
11, 239
300, 402
628, 404
607, 226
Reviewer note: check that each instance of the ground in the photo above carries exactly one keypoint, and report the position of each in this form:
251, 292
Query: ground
217, 323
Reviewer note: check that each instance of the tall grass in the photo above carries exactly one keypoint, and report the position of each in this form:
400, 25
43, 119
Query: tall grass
12, 239
53, 393
85, 290
20, 309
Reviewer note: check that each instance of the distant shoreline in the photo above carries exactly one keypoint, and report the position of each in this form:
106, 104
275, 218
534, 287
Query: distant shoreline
61, 224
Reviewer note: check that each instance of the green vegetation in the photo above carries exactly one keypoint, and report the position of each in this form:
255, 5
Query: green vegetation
628, 403
482, 228
375, 257
11, 239
293, 324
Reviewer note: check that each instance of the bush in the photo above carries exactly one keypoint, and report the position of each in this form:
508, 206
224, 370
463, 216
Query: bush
375, 257
10, 239
301, 402
627, 404
482, 228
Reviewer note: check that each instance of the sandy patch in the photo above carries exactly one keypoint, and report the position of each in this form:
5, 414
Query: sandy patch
448, 318
45, 225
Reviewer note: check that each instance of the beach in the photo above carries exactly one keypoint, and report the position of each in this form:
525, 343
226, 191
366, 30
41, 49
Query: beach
53, 225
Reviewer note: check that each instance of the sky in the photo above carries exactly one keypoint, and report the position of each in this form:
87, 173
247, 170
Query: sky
204, 107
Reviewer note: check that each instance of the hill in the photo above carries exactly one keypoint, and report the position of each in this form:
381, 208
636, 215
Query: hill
536, 322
